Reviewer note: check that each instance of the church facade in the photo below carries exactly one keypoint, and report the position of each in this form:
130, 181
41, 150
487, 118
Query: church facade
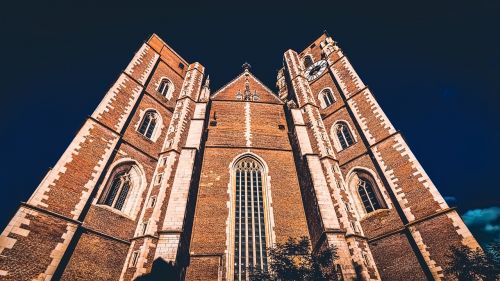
166, 169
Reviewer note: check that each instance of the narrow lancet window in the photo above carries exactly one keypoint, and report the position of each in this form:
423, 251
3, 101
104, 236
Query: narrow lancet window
327, 97
165, 88
118, 189
250, 231
344, 135
148, 124
368, 196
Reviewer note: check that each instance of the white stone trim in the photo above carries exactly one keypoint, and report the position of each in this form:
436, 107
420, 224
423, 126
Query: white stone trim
248, 122
403, 148
15, 226
176, 208
200, 110
394, 185
194, 133
322, 191
58, 252
433, 267
105, 105
138, 59
462, 230
356, 80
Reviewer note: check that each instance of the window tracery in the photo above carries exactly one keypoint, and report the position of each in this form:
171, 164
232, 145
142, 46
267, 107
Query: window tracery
165, 88
250, 231
148, 125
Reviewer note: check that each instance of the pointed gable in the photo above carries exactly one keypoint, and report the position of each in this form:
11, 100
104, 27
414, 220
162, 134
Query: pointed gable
246, 84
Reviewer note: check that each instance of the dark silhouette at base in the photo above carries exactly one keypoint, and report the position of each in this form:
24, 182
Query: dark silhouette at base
162, 271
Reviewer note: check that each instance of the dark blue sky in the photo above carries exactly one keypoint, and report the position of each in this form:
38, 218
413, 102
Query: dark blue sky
434, 68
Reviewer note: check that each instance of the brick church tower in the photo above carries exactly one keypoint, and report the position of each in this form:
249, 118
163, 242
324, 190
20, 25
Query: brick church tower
165, 169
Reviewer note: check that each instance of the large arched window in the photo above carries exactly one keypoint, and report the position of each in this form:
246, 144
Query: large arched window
118, 189
122, 188
343, 135
368, 193
149, 123
165, 88
308, 61
250, 227
326, 98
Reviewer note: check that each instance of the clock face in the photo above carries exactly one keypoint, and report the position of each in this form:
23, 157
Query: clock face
315, 70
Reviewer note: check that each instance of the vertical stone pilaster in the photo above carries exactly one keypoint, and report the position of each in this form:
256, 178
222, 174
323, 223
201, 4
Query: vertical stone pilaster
325, 173
176, 164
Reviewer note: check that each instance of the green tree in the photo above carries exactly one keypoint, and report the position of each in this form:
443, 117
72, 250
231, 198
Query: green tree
468, 264
294, 261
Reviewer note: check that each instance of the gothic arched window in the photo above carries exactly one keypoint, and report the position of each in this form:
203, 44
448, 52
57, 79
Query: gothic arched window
326, 98
122, 188
250, 228
165, 88
148, 124
366, 191
308, 61
344, 135
367, 195
118, 188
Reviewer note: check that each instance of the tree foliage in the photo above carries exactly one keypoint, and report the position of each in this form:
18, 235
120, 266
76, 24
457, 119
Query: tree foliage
468, 264
294, 261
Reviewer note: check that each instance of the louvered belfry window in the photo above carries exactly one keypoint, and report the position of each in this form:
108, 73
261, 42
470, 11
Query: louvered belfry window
250, 231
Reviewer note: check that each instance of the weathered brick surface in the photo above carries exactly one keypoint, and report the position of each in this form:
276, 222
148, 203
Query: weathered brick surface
141, 65
104, 220
168, 55
347, 78
438, 234
118, 103
81, 167
395, 259
97, 258
204, 268
370, 117
31, 252
416, 198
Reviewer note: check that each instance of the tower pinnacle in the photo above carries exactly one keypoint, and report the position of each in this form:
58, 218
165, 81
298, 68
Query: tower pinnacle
246, 66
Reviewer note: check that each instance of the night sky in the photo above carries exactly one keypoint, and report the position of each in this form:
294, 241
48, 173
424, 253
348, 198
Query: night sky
434, 68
